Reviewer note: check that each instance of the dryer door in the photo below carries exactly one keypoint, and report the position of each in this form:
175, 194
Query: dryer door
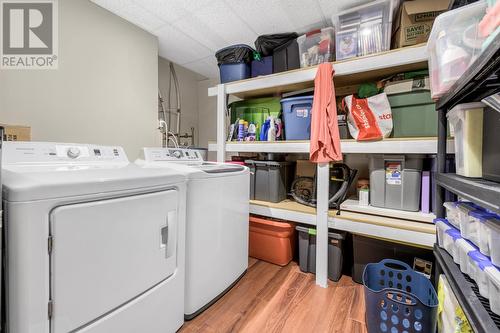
106, 253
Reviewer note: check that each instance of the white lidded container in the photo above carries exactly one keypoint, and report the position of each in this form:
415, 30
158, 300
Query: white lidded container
467, 122
477, 265
493, 226
451, 236
464, 247
454, 44
452, 213
493, 274
468, 225
483, 232
442, 226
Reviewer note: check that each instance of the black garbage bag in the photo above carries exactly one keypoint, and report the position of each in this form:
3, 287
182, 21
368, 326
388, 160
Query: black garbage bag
266, 44
235, 54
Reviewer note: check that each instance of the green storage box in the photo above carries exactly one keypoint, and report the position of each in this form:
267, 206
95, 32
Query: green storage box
413, 114
255, 110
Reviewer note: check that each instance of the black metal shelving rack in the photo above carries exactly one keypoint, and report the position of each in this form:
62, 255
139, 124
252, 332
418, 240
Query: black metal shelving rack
480, 80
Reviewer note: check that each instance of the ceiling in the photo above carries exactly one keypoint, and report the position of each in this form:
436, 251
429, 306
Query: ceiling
191, 31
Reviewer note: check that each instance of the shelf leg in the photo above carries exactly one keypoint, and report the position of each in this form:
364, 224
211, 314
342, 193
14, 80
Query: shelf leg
441, 160
221, 123
323, 179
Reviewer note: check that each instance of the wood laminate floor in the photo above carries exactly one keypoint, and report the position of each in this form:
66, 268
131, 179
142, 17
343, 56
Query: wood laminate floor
271, 298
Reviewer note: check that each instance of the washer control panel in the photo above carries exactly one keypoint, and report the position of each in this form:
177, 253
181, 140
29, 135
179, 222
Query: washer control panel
172, 155
31, 152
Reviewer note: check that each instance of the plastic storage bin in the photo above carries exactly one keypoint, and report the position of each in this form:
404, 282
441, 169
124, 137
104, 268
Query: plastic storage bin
398, 299
452, 213
464, 247
263, 66
493, 226
477, 263
368, 250
297, 117
467, 122
272, 180
413, 114
364, 29
286, 57
307, 252
234, 72
491, 138
251, 165
234, 62
454, 44
442, 226
483, 231
255, 111
493, 275
395, 181
468, 222
316, 47
271, 240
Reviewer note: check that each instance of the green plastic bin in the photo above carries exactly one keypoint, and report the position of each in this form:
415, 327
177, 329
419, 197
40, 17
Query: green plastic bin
413, 114
255, 111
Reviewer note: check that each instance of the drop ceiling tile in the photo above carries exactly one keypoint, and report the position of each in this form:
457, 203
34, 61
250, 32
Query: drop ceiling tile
201, 32
221, 20
141, 17
171, 10
304, 15
264, 16
178, 47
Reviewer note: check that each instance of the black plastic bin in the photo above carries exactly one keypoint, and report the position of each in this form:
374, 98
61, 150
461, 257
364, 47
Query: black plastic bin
270, 180
369, 250
491, 138
286, 57
307, 252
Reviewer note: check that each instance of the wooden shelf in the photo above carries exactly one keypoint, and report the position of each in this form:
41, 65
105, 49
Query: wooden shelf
347, 73
354, 206
424, 145
394, 229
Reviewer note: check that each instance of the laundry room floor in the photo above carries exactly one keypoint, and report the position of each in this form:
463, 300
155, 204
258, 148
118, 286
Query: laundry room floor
271, 298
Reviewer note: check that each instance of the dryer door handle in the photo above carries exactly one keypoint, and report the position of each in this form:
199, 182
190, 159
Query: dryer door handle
168, 235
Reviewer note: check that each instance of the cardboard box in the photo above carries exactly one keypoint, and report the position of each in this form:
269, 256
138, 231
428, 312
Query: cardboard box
414, 21
305, 168
16, 133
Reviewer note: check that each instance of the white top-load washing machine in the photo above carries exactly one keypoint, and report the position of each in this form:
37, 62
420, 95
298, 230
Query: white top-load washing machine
216, 224
94, 243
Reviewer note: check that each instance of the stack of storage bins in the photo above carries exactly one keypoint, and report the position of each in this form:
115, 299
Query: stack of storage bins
316, 47
270, 180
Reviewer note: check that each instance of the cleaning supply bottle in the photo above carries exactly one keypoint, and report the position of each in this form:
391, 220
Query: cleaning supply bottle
252, 129
241, 130
271, 134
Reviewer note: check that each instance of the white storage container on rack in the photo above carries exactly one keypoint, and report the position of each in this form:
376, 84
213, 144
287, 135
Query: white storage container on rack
483, 232
493, 274
454, 44
364, 29
452, 213
468, 223
467, 123
494, 240
464, 247
477, 264
316, 47
442, 226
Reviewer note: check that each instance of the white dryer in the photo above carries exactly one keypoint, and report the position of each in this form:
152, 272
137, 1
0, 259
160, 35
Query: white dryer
94, 243
216, 224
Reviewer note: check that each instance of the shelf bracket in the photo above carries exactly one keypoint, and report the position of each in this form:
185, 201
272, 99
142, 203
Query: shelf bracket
221, 123
323, 185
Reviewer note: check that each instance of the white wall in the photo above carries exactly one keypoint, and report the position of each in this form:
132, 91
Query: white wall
105, 90
188, 83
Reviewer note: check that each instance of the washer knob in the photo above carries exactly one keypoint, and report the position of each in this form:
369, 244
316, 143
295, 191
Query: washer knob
177, 154
73, 152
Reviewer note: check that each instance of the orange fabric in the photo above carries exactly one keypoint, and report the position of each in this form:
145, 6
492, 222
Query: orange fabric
325, 138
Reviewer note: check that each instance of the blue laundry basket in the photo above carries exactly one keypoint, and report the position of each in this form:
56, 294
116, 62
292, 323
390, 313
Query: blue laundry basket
398, 299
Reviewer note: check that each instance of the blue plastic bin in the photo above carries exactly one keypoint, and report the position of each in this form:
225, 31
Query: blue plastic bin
262, 67
297, 117
234, 72
398, 299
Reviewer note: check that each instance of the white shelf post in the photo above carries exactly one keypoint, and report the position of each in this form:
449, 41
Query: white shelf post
323, 185
221, 123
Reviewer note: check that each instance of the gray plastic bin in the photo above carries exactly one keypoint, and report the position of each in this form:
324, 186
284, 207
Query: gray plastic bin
251, 165
271, 180
307, 252
395, 181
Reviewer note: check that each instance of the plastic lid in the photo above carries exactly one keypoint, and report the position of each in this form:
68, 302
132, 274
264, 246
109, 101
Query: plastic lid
441, 221
298, 98
273, 163
482, 215
454, 233
467, 106
479, 258
312, 231
494, 275
467, 206
465, 244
